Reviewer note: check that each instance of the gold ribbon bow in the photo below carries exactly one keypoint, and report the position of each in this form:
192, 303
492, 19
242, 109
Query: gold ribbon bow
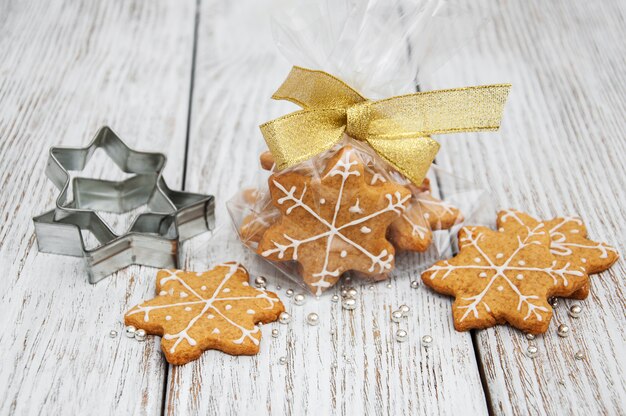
397, 128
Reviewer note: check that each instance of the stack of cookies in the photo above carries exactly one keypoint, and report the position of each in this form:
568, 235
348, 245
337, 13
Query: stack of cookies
340, 212
507, 276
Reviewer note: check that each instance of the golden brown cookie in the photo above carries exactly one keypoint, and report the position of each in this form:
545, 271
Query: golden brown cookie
439, 214
194, 312
568, 241
502, 277
333, 223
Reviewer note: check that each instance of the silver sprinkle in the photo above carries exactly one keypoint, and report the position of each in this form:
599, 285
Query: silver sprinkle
371, 287
313, 319
130, 331
284, 318
351, 292
289, 293
299, 299
530, 337
575, 311
405, 310
579, 355
401, 335
388, 285
278, 287
563, 330
332, 332
427, 341
112, 333
275, 333
344, 293
396, 316
554, 302
531, 351
414, 284
282, 360
140, 335
260, 282
335, 298
348, 304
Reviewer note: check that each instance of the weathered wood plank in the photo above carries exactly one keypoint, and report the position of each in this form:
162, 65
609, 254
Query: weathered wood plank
237, 70
66, 68
561, 151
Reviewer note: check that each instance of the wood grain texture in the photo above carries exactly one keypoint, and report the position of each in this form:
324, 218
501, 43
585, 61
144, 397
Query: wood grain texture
560, 152
237, 71
67, 68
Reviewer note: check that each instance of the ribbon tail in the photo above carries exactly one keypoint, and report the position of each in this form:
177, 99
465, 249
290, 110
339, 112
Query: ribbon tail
410, 156
299, 136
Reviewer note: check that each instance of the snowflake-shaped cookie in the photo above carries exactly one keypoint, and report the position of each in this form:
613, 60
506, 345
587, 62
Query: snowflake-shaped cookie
194, 312
568, 241
500, 277
333, 222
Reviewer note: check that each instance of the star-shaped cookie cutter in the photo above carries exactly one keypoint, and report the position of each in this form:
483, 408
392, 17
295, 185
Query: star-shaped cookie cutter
153, 238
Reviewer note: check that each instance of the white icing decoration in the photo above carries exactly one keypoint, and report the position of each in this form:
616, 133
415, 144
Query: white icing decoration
203, 288
162, 293
228, 307
226, 290
498, 272
558, 244
343, 253
216, 331
356, 209
366, 230
343, 168
250, 311
322, 201
207, 304
377, 177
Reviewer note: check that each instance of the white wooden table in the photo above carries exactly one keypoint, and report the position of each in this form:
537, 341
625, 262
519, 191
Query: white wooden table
170, 77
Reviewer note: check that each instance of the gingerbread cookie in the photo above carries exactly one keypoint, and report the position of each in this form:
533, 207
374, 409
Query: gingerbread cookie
503, 277
568, 241
333, 223
194, 312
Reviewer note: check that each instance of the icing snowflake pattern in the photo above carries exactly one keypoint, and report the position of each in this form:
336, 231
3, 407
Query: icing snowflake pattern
324, 220
568, 241
494, 270
211, 310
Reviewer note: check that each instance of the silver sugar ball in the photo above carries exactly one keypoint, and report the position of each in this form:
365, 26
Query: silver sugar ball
348, 304
275, 333
388, 285
530, 337
140, 335
335, 298
284, 318
554, 302
415, 284
405, 310
575, 311
579, 355
344, 293
427, 341
313, 319
396, 316
260, 282
563, 330
112, 333
531, 351
352, 292
289, 293
130, 331
371, 287
401, 335
332, 332
282, 360
278, 287
334, 364
299, 299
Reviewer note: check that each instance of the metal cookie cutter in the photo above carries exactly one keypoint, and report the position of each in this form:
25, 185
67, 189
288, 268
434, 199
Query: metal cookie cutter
153, 238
